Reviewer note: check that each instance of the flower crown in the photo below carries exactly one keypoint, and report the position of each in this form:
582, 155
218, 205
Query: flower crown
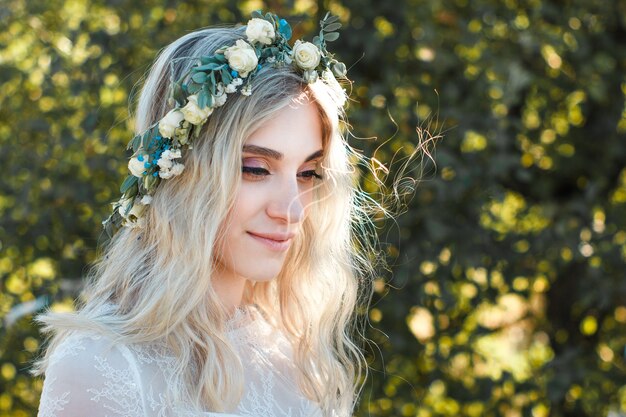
204, 88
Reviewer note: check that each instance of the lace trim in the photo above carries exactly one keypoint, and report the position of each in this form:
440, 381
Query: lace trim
50, 404
119, 388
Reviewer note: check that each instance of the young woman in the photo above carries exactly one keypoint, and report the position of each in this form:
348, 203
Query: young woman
239, 247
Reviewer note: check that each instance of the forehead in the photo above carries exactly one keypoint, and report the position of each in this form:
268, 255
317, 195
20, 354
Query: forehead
295, 131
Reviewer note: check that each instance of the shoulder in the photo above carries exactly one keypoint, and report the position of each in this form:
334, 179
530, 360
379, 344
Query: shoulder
92, 373
81, 350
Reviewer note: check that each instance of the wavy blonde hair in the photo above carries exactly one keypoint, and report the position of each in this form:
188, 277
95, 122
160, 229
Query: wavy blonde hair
159, 276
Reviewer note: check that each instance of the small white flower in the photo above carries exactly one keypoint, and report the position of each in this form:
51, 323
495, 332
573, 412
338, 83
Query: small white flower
241, 57
167, 174
247, 90
171, 154
219, 100
169, 123
146, 199
260, 30
177, 169
136, 167
231, 88
237, 82
193, 113
164, 163
271, 59
306, 54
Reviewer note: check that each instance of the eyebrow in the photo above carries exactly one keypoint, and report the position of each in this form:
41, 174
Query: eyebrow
271, 153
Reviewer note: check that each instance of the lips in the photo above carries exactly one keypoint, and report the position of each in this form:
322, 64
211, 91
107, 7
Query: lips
274, 241
279, 237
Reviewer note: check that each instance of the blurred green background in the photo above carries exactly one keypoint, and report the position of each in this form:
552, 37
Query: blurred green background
507, 295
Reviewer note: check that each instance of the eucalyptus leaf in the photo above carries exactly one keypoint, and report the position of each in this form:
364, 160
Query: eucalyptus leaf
332, 27
145, 140
133, 190
202, 99
128, 182
193, 88
199, 77
178, 94
213, 83
330, 37
257, 14
330, 19
134, 143
208, 67
227, 78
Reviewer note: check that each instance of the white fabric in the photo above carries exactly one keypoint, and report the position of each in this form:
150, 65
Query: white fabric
88, 375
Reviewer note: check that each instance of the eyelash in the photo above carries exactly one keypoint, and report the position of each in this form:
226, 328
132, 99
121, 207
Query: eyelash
261, 172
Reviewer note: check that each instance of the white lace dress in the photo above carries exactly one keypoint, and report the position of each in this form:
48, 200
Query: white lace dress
89, 376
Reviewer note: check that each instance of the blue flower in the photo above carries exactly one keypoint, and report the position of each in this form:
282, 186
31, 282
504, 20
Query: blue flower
156, 174
147, 165
234, 73
140, 158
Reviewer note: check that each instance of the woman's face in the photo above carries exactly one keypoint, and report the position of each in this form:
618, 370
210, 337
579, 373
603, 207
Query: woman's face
280, 168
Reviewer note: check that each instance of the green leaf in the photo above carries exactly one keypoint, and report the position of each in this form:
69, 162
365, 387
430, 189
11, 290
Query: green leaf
146, 139
128, 182
134, 143
199, 77
257, 14
193, 88
178, 94
202, 99
329, 37
213, 83
332, 27
208, 67
329, 19
226, 77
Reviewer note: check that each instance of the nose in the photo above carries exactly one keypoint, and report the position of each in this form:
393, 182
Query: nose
286, 203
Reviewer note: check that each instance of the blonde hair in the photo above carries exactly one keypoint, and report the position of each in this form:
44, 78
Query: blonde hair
159, 276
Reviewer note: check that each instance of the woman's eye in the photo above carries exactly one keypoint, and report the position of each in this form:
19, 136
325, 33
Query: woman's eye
310, 175
255, 171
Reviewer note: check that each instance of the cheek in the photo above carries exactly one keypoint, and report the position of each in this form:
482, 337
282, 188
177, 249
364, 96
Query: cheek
248, 201
307, 199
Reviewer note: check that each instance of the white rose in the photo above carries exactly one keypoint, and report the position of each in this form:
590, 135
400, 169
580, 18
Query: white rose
260, 30
136, 167
169, 124
193, 113
306, 54
241, 57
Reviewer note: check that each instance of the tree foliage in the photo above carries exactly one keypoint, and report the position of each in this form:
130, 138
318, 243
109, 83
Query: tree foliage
507, 295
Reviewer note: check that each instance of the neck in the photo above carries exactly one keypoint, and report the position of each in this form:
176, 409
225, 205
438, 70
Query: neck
229, 289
